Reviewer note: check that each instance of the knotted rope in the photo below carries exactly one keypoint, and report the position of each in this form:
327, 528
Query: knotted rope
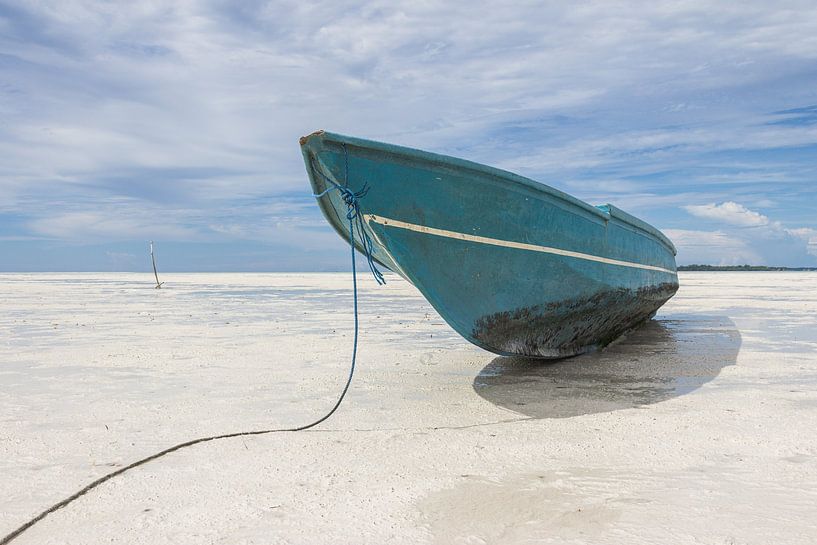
353, 214
356, 222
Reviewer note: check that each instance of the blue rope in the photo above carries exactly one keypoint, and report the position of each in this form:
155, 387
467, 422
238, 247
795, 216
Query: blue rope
355, 218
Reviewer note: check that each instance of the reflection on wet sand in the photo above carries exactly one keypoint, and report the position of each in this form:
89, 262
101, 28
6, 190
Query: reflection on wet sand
662, 359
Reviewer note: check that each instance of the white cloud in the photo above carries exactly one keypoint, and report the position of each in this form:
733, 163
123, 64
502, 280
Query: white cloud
95, 226
809, 235
711, 247
750, 238
728, 212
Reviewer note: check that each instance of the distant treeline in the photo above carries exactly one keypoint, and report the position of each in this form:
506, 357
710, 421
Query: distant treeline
741, 268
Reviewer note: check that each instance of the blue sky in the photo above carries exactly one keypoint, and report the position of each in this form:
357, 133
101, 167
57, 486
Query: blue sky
179, 122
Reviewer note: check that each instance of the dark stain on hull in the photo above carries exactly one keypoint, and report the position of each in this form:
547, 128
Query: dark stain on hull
566, 328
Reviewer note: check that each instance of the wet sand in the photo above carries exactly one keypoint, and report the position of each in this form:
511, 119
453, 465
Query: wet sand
697, 428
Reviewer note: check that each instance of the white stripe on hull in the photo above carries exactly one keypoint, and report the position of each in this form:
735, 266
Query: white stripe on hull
508, 243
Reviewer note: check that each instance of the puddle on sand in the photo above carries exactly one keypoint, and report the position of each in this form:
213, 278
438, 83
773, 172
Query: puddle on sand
662, 359
741, 503
526, 508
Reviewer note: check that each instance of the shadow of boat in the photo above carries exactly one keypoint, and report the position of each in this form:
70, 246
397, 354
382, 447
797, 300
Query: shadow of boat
661, 360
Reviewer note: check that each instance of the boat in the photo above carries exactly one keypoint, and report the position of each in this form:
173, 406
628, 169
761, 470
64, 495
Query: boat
514, 266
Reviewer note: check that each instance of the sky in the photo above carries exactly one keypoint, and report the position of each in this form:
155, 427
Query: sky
178, 122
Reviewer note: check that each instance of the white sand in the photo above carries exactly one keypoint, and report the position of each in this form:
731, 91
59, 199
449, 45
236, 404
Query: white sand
699, 428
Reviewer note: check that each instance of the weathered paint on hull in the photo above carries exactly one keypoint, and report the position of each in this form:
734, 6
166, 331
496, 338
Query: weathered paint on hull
514, 266
569, 327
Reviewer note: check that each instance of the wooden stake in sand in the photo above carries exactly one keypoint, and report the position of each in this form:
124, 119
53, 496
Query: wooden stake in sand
153, 260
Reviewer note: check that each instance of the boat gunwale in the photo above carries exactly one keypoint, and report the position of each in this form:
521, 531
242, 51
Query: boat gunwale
612, 212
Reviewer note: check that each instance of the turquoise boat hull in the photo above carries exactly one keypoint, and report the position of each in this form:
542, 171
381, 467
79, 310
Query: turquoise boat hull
514, 266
